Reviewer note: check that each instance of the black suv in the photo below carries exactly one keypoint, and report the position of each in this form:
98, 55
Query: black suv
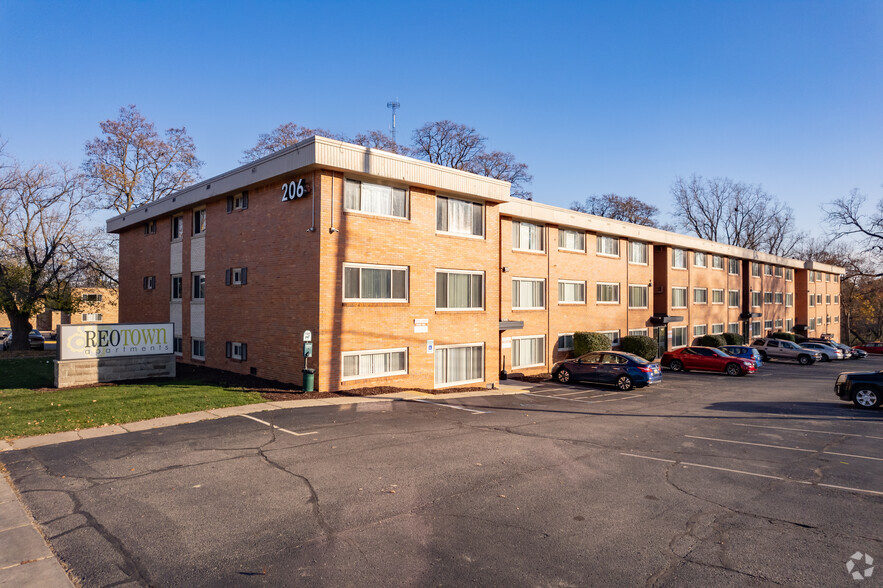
865, 389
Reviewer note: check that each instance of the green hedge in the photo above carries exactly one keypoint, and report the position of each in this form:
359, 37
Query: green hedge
584, 342
711, 341
785, 336
640, 345
733, 338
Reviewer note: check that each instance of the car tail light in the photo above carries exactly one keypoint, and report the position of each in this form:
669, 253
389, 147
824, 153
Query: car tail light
646, 370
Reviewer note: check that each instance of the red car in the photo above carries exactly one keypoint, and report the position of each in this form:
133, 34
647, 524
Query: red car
707, 359
875, 347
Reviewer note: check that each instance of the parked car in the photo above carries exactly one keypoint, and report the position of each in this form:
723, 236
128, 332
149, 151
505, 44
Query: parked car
744, 351
782, 349
4, 335
858, 353
35, 340
865, 389
875, 347
620, 369
829, 352
709, 359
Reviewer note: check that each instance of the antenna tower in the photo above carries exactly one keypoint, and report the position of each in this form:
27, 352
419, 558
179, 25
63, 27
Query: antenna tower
394, 105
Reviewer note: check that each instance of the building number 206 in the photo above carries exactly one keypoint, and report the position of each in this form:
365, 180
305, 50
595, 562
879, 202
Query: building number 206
293, 190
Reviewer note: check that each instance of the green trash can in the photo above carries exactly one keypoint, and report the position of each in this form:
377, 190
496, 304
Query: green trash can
309, 378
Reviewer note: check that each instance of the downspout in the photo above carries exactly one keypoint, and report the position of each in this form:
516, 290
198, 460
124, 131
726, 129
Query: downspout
548, 291
313, 197
331, 229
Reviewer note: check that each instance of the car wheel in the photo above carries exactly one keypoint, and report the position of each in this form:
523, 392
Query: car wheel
624, 383
676, 365
866, 398
733, 369
563, 375
804, 359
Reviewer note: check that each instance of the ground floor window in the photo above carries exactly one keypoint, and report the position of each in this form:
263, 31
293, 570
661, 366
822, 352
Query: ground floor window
700, 330
374, 364
565, 342
237, 350
459, 364
638, 332
678, 336
92, 317
198, 349
789, 325
779, 324
529, 351
767, 325
755, 328
717, 329
733, 328
613, 336
178, 344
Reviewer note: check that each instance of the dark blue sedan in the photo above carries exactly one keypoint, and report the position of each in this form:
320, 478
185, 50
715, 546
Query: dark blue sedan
744, 351
619, 369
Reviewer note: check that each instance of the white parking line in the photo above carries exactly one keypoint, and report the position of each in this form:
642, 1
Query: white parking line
278, 428
807, 431
786, 448
756, 475
585, 401
472, 410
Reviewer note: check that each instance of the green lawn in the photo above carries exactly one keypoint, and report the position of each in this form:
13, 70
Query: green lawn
27, 408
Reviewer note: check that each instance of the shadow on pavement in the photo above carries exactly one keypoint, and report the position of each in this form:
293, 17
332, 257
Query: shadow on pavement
832, 409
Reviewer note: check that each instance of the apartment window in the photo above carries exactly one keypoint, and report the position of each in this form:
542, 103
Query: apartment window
678, 297
733, 298
150, 227
571, 240
755, 269
178, 345
836, 299
678, 259
836, 318
789, 299
789, 325
700, 259
700, 330
374, 283
767, 269
527, 237
570, 292
638, 252
756, 298
768, 325
92, 317
827, 299
177, 287
358, 365
734, 266
528, 293
812, 300
237, 202
717, 296
789, 274
92, 297
767, 297
717, 329
779, 297
608, 246
612, 335
199, 221
638, 332
384, 200
827, 277
565, 342
198, 348
459, 364
149, 282
459, 217
818, 298
236, 350
678, 336
812, 276
818, 276
528, 351
733, 328
778, 324
717, 262
198, 286
812, 324
236, 276
700, 295
459, 290
755, 328
639, 296
177, 227
607, 293
836, 278
778, 271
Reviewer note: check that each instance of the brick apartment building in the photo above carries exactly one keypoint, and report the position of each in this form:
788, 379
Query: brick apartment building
411, 274
96, 306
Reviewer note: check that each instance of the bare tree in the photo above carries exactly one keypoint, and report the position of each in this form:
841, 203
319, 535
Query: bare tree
503, 166
846, 219
623, 208
129, 164
285, 135
379, 140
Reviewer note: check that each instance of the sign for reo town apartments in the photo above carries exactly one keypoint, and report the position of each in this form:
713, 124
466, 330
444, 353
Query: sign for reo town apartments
99, 341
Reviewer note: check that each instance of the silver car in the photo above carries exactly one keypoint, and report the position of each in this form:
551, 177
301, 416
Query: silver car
829, 352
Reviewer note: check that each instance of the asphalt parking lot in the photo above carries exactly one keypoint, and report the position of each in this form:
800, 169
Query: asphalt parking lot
705, 479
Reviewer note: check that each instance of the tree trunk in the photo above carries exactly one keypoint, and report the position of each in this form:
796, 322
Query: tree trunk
21, 328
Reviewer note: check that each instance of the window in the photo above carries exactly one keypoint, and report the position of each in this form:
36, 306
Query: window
767, 297
755, 328
700, 259
565, 342
812, 300
198, 286
92, 297
571, 292
237, 351
812, 324
827, 299
570, 240
733, 328
836, 318
789, 274
755, 269
459, 364
527, 236
149, 282
177, 287
756, 298
382, 200
733, 298
150, 227
818, 276
178, 344
789, 325
528, 351
237, 276
92, 317
734, 266
717, 329
768, 325
827, 277
789, 299
177, 227
678, 297
836, 278
778, 271
836, 299
812, 276
767, 269
613, 336
237, 201
198, 349
700, 295
528, 293
607, 293
779, 324
717, 296
700, 330
678, 259
358, 365
678, 336
717, 262
779, 297
459, 290
639, 296
608, 246
638, 332
638, 252
374, 283
818, 298
199, 221
459, 217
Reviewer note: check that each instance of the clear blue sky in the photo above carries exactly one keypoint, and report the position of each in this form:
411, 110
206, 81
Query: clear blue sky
595, 97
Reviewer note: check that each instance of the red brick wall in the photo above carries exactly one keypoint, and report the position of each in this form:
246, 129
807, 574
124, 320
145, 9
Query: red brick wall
145, 255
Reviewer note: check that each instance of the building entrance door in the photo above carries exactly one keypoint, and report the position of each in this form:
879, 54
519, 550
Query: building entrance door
661, 336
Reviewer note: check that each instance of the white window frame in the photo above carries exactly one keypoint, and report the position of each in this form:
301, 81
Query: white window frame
646, 290
767, 269
563, 231
789, 274
674, 330
353, 181
729, 300
613, 336
777, 271
463, 382
778, 298
180, 279
236, 276
733, 328
577, 302
789, 299
697, 255
789, 325
542, 361
236, 350
731, 263
599, 250
704, 292
516, 237
717, 291
768, 325
193, 342
373, 352
469, 235
92, 317
391, 268
198, 228
678, 288
618, 296
195, 289
543, 290
178, 345
639, 246
768, 298
700, 330
717, 262
755, 269
779, 324
678, 258
759, 295
178, 226
717, 328
639, 332
457, 308
755, 329
558, 344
